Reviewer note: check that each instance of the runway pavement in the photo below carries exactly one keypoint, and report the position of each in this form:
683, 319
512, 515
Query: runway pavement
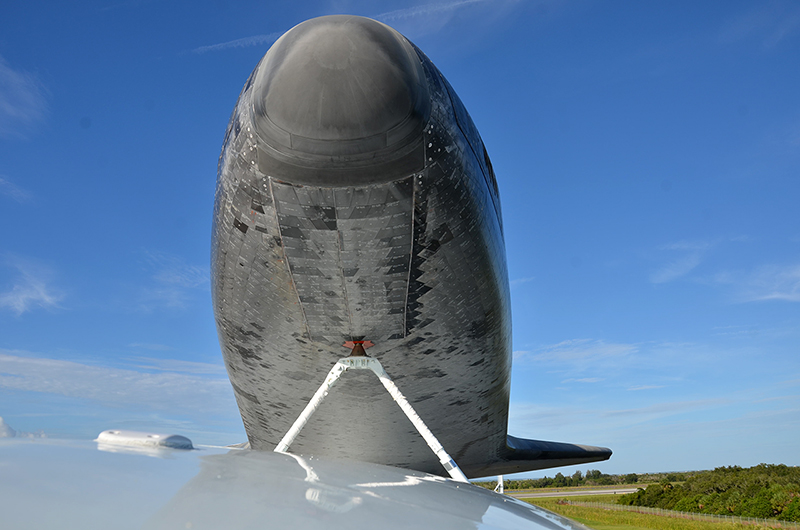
570, 493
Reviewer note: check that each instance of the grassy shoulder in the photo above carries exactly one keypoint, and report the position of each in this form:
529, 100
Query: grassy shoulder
600, 519
576, 489
592, 479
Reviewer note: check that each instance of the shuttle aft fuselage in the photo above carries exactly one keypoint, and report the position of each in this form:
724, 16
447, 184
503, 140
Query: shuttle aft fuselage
356, 202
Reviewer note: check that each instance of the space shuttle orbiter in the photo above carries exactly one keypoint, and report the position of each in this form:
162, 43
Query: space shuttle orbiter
356, 207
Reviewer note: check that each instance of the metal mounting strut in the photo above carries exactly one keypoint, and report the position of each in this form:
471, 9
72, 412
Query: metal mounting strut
370, 363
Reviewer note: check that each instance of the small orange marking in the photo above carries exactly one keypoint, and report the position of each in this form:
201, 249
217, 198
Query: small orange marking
350, 344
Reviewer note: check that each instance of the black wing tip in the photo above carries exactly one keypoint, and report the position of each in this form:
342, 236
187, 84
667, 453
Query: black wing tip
521, 455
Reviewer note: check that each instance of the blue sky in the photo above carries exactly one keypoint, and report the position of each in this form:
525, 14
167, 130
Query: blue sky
648, 158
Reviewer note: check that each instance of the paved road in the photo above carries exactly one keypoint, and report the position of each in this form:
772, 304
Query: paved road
570, 493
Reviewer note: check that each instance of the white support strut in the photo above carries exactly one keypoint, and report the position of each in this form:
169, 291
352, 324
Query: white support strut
370, 363
500, 486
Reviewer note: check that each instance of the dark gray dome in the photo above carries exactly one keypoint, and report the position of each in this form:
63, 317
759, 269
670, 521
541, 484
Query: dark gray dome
340, 85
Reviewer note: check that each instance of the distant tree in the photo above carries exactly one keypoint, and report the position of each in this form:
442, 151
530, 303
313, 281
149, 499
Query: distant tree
605, 480
761, 491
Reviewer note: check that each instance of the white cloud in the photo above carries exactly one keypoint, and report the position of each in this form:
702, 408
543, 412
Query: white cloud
792, 398
583, 380
692, 255
645, 387
770, 282
169, 391
245, 42
5, 430
173, 365
23, 101
520, 281
174, 281
172, 270
691, 435
769, 22
580, 351
30, 289
149, 346
676, 268
527, 416
686, 245
659, 410
9, 189
519, 354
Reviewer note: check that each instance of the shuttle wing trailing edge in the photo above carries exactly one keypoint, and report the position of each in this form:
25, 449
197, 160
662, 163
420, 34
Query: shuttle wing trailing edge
356, 204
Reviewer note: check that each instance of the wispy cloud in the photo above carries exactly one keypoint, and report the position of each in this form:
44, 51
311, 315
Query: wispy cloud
699, 434
440, 12
676, 268
245, 42
583, 380
431, 18
736, 331
580, 350
23, 101
539, 416
173, 270
174, 365
173, 280
686, 245
770, 282
645, 387
30, 289
769, 22
131, 3
693, 252
149, 346
659, 410
426, 10
519, 354
171, 391
13, 191
520, 281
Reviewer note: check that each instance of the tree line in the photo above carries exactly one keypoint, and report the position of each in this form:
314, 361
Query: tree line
765, 490
593, 477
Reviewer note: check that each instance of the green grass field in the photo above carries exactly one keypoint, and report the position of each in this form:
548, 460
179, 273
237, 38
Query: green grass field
600, 519
577, 488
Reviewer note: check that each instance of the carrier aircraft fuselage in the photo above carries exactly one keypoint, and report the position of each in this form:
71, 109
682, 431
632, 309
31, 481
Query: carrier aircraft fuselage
356, 202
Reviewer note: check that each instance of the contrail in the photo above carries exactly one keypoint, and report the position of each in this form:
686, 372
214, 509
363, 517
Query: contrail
426, 9
239, 43
399, 14
15, 192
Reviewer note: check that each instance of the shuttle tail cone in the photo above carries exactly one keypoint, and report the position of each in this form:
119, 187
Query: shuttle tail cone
358, 360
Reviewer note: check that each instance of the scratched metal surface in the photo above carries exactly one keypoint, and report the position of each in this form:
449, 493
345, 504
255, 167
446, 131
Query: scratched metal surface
73, 485
399, 242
